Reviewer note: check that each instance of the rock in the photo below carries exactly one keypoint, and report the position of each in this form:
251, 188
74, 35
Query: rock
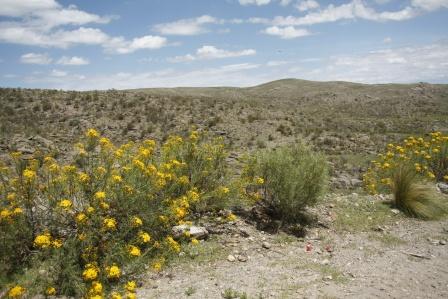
266, 245
325, 262
395, 211
328, 277
242, 258
442, 242
231, 258
356, 182
443, 187
197, 232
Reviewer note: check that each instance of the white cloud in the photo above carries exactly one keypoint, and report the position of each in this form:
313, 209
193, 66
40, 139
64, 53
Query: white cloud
211, 52
288, 32
58, 73
35, 58
393, 65
39, 23
254, 2
192, 26
307, 5
387, 40
430, 5
144, 42
75, 60
355, 9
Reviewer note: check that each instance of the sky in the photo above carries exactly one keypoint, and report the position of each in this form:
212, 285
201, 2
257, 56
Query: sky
105, 44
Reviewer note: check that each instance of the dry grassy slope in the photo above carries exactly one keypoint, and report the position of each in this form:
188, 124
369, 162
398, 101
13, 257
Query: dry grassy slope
341, 118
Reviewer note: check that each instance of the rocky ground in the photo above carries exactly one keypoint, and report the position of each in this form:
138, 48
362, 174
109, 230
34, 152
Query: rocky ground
351, 253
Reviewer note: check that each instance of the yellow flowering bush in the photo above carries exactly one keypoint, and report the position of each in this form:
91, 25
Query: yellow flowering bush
427, 155
85, 228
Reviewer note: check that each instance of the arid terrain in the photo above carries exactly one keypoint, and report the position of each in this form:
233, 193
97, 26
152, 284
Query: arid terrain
358, 248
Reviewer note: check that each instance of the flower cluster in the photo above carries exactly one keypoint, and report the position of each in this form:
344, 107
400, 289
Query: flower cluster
428, 156
110, 209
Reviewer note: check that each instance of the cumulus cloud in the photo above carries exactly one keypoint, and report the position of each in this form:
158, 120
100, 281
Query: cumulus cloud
35, 58
191, 26
40, 23
353, 10
288, 32
211, 52
307, 5
75, 60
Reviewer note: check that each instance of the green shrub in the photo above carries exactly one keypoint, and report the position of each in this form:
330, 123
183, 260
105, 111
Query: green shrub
413, 196
287, 179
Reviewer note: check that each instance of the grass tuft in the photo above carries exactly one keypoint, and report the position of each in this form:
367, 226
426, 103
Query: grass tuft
414, 197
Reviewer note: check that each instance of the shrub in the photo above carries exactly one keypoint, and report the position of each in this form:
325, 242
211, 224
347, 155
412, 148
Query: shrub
428, 155
413, 197
287, 179
87, 228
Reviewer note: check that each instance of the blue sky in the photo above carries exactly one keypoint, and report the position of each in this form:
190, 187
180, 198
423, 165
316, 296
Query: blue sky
105, 44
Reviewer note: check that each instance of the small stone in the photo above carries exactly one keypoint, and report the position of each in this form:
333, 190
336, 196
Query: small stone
231, 258
395, 211
442, 242
242, 258
325, 262
328, 277
266, 245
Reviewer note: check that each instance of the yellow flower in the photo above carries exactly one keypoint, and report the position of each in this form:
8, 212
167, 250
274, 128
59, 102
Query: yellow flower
115, 295
130, 286
445, 177
90, 210
57, 243
100, 195
386, 165
134, 250
65, 204
113, 272
51, 291
81, 218
83, 177
17, 211
224, 190
5, 214
16, 292
110, 223
96, 289
259, 180
173, 244
131, 296
436, 150
92, 133
431, 175
184, 180
117, 179
194, 241
144, 237
11, 196
428, 157
231, 217
104, 205
90, 273
29, 175
43, 241
136, 221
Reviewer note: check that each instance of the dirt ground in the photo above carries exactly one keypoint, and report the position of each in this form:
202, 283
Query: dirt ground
400, 259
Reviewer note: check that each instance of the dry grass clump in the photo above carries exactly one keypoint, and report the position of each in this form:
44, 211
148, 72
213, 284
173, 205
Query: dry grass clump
414, 197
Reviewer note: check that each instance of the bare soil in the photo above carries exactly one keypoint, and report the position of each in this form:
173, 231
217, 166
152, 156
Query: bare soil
402, 258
